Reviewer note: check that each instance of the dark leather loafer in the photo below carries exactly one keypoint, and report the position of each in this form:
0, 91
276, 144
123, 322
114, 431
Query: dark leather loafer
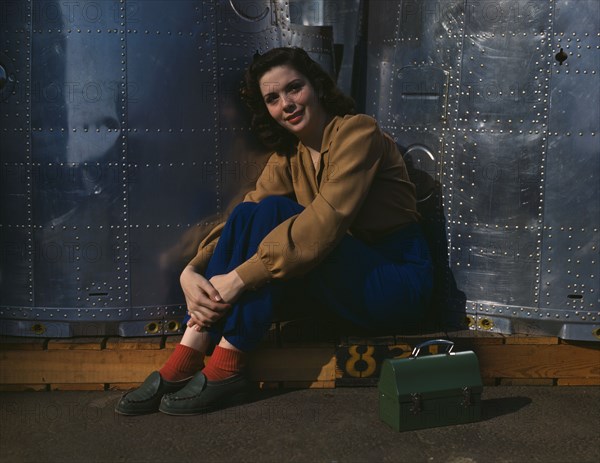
146, 398
201, 395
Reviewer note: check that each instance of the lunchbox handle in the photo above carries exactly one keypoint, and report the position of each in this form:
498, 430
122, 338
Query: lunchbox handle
445, 342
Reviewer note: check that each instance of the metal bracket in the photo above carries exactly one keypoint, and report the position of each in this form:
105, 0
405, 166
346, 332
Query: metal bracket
416, 401
467, 397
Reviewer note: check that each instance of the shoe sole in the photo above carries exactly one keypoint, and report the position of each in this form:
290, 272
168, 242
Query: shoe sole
237, 399
121, 412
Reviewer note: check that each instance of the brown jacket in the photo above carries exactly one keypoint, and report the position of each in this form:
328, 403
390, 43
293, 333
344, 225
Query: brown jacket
362, 188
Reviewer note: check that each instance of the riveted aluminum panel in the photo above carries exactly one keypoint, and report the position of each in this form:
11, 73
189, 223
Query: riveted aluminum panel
15, 285
121, 169
420, 96
70, 91
495, 196
411, 74
15, 26
504, 91
155, 260
76, 194
247, 20
190, 197
495, 264
493, 186
14, 185
14, 115
571, 189
168, 50
414, 58
570, 268
77, 266
571, 238
124, 142
244, 29
422, 151
343, 16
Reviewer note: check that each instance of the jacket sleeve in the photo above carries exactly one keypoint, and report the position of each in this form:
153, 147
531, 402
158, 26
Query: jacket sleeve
299, 243
275, 179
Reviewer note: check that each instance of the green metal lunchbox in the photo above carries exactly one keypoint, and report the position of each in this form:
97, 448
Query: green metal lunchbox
430, 390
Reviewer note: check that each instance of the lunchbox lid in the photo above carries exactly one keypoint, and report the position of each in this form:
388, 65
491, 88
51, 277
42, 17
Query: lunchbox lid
430, 375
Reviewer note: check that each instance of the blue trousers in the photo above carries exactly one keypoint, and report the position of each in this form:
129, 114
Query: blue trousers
385, 285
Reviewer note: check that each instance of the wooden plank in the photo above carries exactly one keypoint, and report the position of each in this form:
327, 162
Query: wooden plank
370, 341
92, 343
309, 384
23, 387
574, 342
17, 343
578, 363
79, 366
472, 337
470, 343
77, 387
306, 333
272, 338
141, 343
526, 382
172, 341
293, 364
305, 344
538, 361
578, 382
490, 381
63, 366
268, 385
523, 340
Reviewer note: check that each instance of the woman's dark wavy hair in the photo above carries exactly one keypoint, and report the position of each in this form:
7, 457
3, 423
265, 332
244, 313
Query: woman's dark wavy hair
273, 135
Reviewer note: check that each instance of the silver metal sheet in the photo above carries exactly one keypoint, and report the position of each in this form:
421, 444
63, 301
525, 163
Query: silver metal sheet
493, 188
16, 93
124, 142
496, 264
155, 262
572, 192
77, 266
15, 285
570, 256
343, 16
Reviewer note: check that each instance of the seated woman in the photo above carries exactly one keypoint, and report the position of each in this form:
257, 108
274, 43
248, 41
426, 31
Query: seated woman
333, 208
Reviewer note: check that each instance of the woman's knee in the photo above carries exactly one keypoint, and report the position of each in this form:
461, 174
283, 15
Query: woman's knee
243, 210
278, 205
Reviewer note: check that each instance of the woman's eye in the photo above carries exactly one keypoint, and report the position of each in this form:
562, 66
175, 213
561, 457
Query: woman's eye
270, 100
295, 88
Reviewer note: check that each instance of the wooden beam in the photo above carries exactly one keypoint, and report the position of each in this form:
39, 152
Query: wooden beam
78, 366
92, 343
538, 361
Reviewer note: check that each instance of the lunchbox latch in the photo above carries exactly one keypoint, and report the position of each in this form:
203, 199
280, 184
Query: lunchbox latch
416, 401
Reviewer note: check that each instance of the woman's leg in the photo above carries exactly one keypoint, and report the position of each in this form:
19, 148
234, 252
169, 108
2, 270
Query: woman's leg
239, 331
250, 317
385, 286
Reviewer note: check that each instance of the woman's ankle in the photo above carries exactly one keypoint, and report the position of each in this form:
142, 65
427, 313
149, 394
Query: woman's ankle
196, 340
183, 363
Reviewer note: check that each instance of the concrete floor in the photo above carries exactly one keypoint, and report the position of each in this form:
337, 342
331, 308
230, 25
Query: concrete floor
520, 424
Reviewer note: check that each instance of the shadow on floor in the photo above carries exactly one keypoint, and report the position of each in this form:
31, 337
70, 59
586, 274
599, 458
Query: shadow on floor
493, 408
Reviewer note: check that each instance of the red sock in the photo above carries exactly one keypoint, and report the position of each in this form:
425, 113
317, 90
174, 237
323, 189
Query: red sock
224, 363
182, 363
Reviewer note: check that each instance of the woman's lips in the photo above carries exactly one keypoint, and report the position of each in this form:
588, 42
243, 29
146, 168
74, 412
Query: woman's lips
295, 118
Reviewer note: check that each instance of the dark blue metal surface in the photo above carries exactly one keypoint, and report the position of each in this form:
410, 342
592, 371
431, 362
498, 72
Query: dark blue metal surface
123, 141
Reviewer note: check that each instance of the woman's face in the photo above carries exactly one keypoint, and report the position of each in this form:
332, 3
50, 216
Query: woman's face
291, 100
